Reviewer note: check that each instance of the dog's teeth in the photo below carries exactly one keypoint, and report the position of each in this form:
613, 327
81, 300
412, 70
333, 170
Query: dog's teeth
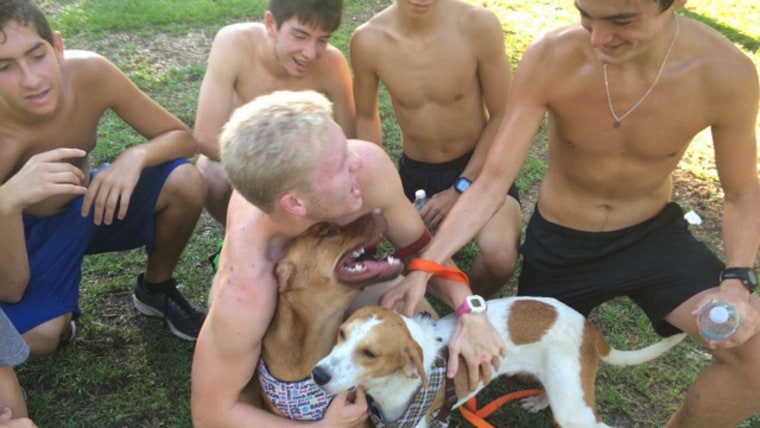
393, 260
359, 267
357, 253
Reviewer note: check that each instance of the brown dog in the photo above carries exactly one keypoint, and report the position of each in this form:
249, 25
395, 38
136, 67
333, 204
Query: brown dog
318, 277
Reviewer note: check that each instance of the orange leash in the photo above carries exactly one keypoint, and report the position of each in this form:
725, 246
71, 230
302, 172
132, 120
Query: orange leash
439, 270
477, 416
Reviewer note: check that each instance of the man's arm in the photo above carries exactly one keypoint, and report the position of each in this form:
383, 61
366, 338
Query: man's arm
366, 83
216, 97
167, 138
44, 175
735, 146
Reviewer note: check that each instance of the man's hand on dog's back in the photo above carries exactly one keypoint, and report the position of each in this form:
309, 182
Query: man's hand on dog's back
346, 410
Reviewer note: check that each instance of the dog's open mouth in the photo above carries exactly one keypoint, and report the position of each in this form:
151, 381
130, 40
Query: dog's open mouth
358, 266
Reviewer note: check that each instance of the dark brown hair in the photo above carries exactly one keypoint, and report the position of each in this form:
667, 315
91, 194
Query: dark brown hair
24, 12
325, 14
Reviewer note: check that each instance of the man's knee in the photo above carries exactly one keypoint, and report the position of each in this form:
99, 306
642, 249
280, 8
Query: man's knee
188, 181
499, 258
217, 188
214, 178
742, 360
45, 338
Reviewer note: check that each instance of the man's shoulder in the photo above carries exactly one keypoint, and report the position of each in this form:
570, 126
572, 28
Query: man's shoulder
87, 66
241, 32
374, 158
561, 45
380, 23
83, 58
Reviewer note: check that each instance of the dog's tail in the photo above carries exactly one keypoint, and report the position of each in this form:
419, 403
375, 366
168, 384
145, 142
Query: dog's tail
617, 357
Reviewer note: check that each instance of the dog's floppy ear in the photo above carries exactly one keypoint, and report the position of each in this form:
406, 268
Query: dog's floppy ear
284, 272
411, 362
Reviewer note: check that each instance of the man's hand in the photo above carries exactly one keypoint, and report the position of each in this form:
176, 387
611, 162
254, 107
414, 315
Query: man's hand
112, 187
344, 412
438, 207
6, 422
481, 346
747, 306
407, 294
44, 175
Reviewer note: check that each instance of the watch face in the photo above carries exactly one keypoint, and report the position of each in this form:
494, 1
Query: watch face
462, 184
477, 304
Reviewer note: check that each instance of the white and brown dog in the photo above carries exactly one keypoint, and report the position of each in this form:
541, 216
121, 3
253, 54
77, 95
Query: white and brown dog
392, 356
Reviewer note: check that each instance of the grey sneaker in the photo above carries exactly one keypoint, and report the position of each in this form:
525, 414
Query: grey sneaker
165, 301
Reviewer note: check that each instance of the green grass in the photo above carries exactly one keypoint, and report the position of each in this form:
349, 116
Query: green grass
125, 370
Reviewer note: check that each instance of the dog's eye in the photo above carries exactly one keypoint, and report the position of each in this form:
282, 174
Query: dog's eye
368, 353
341, 335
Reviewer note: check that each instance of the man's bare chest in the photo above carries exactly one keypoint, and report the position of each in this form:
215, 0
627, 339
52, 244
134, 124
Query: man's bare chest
420, 74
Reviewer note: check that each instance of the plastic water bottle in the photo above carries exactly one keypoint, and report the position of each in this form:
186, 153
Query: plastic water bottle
717, 320
420, 199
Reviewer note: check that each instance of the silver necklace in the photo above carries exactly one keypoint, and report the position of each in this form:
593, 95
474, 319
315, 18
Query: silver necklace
636, 105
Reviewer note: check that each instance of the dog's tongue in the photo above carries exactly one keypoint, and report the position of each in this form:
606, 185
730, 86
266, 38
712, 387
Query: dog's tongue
367, 269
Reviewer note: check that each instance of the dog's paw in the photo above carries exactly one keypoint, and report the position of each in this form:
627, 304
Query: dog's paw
535, 403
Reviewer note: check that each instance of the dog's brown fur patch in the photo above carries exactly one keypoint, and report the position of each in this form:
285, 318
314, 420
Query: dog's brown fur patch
529, 320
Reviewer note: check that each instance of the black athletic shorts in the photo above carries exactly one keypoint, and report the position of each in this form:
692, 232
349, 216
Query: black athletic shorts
435, 177
658, 263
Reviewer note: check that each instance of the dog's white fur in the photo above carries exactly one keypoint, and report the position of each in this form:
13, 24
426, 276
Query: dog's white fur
389, 355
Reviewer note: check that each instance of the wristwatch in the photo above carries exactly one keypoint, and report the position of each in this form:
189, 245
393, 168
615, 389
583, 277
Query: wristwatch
746, 275
462, 184
473, 304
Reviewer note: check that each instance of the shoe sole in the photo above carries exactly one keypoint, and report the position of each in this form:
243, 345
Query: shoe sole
153, 312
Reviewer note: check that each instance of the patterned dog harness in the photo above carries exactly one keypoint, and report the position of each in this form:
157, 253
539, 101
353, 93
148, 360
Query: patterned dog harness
299, 401
422, 401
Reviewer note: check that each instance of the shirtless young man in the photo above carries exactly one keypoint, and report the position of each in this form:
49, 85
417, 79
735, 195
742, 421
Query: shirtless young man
605, 225
448, 77
292, 167
54, 209
290, 50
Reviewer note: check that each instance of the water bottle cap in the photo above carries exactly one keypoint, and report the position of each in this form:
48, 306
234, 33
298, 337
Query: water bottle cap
420, 194
719, 314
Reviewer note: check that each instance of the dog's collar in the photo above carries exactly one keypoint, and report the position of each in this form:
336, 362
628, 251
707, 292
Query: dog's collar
422, 401
301, 401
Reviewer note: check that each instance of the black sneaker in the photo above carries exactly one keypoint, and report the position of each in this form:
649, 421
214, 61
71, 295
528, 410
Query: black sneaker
165, 301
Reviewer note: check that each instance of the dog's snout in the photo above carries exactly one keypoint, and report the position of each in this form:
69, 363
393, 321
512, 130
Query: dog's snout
320, 375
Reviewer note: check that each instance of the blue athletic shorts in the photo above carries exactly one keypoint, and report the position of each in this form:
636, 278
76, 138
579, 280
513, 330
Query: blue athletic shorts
659, 264
57, 245
435, 177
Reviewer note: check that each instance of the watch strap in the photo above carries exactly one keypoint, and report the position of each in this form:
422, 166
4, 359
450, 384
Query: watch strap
746, 275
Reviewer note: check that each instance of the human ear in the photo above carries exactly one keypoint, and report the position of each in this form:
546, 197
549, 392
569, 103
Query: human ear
292, 204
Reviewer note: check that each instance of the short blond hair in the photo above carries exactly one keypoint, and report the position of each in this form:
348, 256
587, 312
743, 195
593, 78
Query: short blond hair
272, 144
